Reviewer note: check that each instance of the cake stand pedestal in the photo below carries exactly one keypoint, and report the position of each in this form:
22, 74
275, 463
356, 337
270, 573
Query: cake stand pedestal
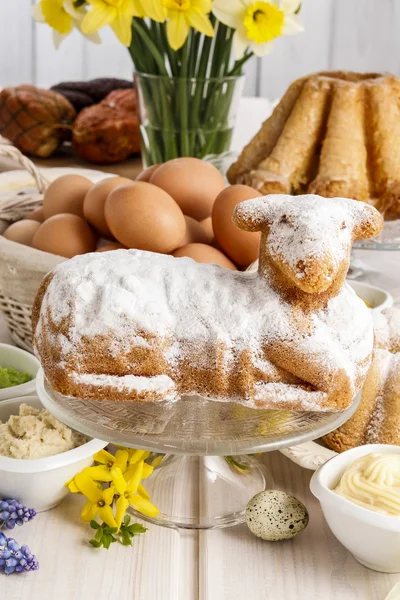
210, 470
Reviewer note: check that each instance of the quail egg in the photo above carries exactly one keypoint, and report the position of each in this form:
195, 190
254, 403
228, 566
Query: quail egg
274, 515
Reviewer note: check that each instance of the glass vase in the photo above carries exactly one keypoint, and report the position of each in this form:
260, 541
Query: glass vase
186, 117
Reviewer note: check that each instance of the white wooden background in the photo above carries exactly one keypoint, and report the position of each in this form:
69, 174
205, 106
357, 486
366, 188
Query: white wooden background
347, 34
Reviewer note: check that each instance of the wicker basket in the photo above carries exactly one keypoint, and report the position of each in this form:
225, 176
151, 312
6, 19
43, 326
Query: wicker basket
21, 268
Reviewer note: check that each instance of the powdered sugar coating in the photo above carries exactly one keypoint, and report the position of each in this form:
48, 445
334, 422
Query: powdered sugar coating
313, 234
122, 293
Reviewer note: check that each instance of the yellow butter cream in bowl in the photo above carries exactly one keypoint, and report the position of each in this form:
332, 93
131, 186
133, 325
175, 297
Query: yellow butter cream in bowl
373, 482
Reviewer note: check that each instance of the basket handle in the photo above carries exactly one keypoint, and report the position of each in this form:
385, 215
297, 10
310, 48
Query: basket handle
10, 151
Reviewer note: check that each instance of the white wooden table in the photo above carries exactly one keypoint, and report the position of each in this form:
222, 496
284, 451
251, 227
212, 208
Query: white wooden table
226, 564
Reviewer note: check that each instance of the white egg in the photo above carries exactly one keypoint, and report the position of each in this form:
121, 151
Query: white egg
273, 515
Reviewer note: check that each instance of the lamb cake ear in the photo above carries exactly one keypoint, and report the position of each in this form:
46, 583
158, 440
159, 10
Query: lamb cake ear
368, 221
252, 215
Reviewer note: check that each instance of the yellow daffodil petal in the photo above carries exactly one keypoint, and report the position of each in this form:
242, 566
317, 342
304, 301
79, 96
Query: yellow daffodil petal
134, 480
201, 22
55, 15
143, 492
137, 455
121, 459
121, 506
71, 485
147, 471
105, 513
99, 473
177, 29
104, 457
144, 506
203, 6
88, 487
122, 27
101, 14
118, 480
89, 511
155, 10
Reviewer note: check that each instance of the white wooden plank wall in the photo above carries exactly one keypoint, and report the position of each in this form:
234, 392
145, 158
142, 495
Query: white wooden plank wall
348, 34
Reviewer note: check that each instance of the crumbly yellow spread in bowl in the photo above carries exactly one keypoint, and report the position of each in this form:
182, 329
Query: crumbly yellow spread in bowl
36, 434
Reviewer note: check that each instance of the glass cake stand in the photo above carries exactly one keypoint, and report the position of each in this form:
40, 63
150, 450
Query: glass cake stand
209, 472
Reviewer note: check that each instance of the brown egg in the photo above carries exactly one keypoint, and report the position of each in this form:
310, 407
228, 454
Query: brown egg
147, 173
142, 216
194, 232
204, 254
65, 235
95, 199
22, 232
193, 183
208, 228
36, 215
66, 195
240, 246
109, 247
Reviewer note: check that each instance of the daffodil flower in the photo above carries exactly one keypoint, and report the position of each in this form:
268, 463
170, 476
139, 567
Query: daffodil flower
119, 14
62, 16
108, 462
258, 23
98, 501
184, 14
128, 489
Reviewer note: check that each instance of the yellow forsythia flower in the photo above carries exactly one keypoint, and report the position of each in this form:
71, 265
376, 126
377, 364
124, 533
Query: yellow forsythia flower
99, 501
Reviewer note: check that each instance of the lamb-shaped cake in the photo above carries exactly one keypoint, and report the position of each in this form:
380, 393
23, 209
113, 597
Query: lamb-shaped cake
133, 325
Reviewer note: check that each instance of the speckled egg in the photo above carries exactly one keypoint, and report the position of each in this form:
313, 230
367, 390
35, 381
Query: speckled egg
273, 516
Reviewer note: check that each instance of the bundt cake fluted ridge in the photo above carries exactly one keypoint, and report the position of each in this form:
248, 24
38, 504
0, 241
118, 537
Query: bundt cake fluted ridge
336, 134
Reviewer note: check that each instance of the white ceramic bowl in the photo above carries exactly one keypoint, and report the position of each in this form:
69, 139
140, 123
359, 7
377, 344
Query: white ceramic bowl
372, 538
11, 356
377, 298
39, 483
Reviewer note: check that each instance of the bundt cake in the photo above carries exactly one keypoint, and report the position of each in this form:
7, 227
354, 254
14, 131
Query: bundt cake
333, 134
377, 419
133, 325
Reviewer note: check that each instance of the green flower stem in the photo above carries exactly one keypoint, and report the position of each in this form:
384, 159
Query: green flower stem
186, 113
173, 62
183, 100
139, 27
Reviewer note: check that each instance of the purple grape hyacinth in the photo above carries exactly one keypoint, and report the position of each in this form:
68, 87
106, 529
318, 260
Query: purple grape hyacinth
15, 559
14, 513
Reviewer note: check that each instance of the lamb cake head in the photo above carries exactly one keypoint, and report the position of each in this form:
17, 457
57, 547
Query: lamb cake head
130, 325
306, 240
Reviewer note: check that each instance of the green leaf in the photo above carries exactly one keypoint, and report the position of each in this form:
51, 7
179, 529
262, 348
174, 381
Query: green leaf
127, 520
95, 543
110, 529
126, 538
94, 524
98, 536
136, 528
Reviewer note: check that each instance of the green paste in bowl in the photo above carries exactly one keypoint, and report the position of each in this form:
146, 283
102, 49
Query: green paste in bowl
10, 377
